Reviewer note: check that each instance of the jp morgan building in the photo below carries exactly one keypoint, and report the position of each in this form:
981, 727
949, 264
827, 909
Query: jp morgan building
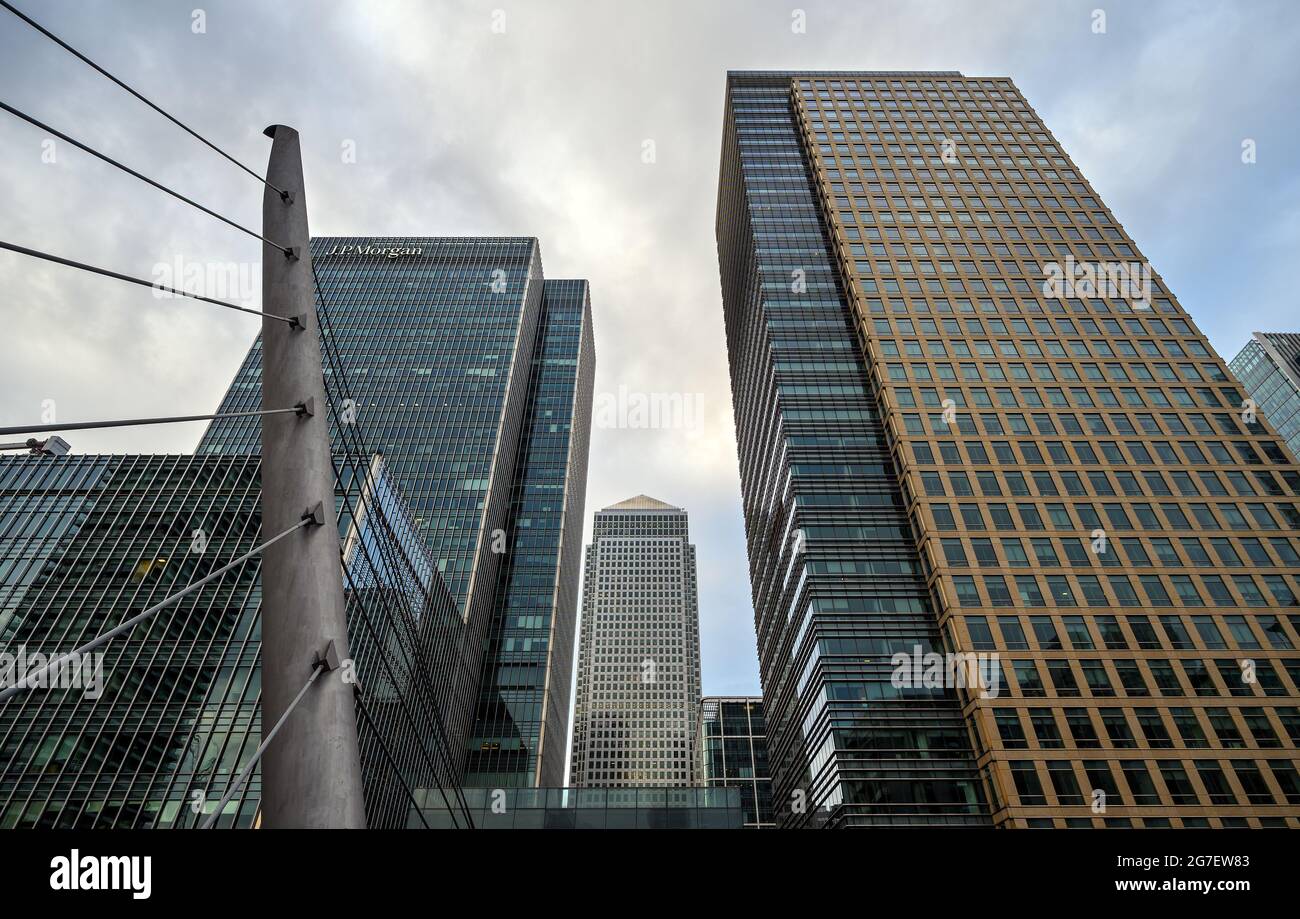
472, 375
441, 357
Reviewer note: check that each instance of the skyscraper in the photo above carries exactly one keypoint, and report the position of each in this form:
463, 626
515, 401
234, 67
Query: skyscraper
469, 377
639, 655
731, 752
972, 421
87, 541
520, 735
1269, 368
472, 375
174, 713
837, 583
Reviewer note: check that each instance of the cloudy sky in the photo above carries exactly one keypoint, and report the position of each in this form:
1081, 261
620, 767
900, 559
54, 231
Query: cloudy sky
531, 118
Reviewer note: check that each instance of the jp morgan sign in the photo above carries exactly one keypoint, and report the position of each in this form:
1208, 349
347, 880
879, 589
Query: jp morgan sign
385, 251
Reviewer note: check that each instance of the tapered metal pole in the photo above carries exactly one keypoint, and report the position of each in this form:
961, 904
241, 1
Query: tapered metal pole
311, 774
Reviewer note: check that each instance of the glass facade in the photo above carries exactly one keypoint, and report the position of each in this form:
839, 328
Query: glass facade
470, 373
460, 390
86, 542
520, 734
433, 351
1269, 368
837, 584
89, 541
1096, 522
731, 752
639, 658
680, 808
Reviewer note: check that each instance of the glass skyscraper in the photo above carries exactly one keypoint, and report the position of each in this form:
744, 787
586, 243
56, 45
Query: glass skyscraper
731, 752
975, 426
1269, 368
520, 733
470, 373
639, 656
837, 583
88, 541
460, 389
435, 339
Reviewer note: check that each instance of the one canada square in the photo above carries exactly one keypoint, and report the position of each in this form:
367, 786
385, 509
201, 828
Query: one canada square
974, 425
636, 707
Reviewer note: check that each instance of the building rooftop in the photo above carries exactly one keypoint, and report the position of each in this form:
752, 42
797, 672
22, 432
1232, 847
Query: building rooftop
642, 503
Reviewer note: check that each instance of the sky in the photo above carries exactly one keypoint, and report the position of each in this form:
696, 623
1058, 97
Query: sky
596, 127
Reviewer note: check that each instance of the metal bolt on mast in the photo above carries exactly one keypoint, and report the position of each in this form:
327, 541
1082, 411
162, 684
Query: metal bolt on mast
311, 775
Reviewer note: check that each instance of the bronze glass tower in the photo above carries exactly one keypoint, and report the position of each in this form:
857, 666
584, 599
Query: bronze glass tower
953, 369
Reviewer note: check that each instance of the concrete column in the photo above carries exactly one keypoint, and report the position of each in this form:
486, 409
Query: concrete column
311, 773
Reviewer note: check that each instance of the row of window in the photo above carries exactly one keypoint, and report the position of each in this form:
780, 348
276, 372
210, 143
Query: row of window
1176, 786
1246, 677
1153, 733
1059, 371
1029, 517
1152, 482
1119, 591
1087, 633
1127, 329
1111, 552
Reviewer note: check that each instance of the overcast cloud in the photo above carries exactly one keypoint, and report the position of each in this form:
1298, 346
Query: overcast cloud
539, 130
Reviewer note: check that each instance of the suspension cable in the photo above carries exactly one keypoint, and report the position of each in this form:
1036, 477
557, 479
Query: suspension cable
188, 130
143, 178
295, 321
302, 409
57, 663
244, 773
